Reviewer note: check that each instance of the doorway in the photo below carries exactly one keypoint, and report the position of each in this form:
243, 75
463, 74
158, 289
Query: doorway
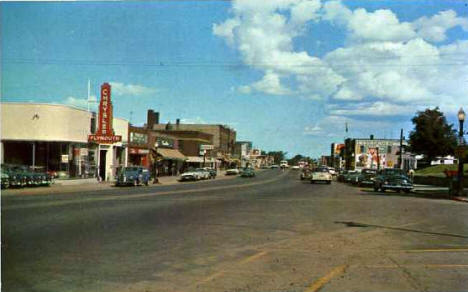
102, 164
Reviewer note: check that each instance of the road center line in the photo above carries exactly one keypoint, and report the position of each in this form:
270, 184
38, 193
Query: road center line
317, 285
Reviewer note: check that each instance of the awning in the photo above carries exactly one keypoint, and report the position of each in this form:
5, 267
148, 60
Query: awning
171, 154
199, 159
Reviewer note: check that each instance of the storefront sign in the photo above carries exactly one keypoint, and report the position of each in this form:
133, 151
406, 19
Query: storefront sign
84, 151
164, 142
138, 138
206, 147
105, 132
138, 151
64, 158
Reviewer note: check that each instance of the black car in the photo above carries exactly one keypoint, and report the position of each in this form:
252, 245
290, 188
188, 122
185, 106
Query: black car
133, 175
392, 179
366, 178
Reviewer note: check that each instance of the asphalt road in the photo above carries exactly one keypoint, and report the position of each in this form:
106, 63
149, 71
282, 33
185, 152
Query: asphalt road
269, 233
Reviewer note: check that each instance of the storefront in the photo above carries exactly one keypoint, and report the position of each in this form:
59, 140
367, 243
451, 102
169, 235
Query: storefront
48, 137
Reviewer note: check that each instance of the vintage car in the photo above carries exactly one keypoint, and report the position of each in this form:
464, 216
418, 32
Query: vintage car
5, 179
211, 171
351, 176
320, 174
274, 166
392, 179
248, 172
133, 175
21, 176
366, 177
41, 177
305, 174
232, 171
190, 175
341, 175
203, 173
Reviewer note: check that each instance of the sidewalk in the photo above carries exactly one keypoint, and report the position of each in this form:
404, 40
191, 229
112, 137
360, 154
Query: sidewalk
436, 191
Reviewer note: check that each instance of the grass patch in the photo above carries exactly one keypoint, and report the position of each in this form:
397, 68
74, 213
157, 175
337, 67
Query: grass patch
438, 170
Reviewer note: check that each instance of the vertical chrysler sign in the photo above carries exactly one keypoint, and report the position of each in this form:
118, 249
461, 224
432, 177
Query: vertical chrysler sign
105, 132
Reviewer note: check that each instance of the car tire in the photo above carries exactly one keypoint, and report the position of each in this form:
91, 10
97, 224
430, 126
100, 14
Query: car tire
329, 182
312, 182
407, 191
376, 188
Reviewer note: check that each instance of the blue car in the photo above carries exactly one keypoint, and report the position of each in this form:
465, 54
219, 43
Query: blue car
133, 175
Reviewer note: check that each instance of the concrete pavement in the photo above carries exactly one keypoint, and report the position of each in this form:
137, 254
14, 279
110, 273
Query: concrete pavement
270, 233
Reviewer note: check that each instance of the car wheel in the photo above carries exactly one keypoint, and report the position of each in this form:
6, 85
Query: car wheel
407, 191
312, 182
376, 188
329, 182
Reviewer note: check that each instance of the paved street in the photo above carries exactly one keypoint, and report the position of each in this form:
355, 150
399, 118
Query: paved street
268, 233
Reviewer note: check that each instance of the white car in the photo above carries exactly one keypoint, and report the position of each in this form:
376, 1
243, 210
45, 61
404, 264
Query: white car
332, 171
321, 174
203, 173
232, 171
190, 175
295, 167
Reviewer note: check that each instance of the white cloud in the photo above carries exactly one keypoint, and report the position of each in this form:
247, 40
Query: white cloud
385, 68
118, 88
434, 28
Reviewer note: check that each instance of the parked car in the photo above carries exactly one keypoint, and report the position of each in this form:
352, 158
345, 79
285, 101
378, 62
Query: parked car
133, 175
5, 179
320, 174
15, 175
232, 171
248, 172
351, 176
41, 176
341, 175
212, 172
274, 166
305, 174
392, 179
190, 175
366, 177
204, 174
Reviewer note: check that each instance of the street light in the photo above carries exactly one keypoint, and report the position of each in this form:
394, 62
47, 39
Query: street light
461, 119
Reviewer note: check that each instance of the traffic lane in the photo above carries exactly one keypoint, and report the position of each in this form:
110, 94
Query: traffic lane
78, 239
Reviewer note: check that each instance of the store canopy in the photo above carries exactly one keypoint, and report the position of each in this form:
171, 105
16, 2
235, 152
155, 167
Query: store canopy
171, 154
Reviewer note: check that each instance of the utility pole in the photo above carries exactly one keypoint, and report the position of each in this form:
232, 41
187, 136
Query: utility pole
401, 149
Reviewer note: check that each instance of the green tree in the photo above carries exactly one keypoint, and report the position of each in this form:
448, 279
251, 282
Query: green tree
295, 160
278, 155
432, 135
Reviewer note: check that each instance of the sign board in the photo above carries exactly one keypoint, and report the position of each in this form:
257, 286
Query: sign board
206, 147
138, 151
165, 142
64, 158
105, 131
138, 138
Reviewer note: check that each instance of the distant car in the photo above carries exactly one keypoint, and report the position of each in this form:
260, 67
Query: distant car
392, 179
232, 171
305, 174
366, 177
320, 174
204, 174
248, 172
133, 175
212, 172
331, 170
274, 166
295, 167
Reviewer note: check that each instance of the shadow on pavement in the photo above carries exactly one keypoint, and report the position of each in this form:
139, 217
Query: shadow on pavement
364, 225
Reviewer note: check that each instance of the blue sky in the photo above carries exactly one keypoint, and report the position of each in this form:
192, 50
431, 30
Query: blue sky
287, 75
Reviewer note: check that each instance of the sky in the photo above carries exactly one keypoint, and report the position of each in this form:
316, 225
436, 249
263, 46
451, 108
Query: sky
287, 75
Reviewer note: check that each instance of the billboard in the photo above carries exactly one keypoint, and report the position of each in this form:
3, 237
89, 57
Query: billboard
376, 153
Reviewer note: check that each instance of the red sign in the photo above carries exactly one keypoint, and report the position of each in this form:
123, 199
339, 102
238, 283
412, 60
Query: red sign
105, 132
104, 139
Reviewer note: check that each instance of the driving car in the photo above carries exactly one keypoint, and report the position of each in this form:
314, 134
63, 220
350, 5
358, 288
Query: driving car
320, 174
232, 171
392, 179
366, 177
248, 172
133, 175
